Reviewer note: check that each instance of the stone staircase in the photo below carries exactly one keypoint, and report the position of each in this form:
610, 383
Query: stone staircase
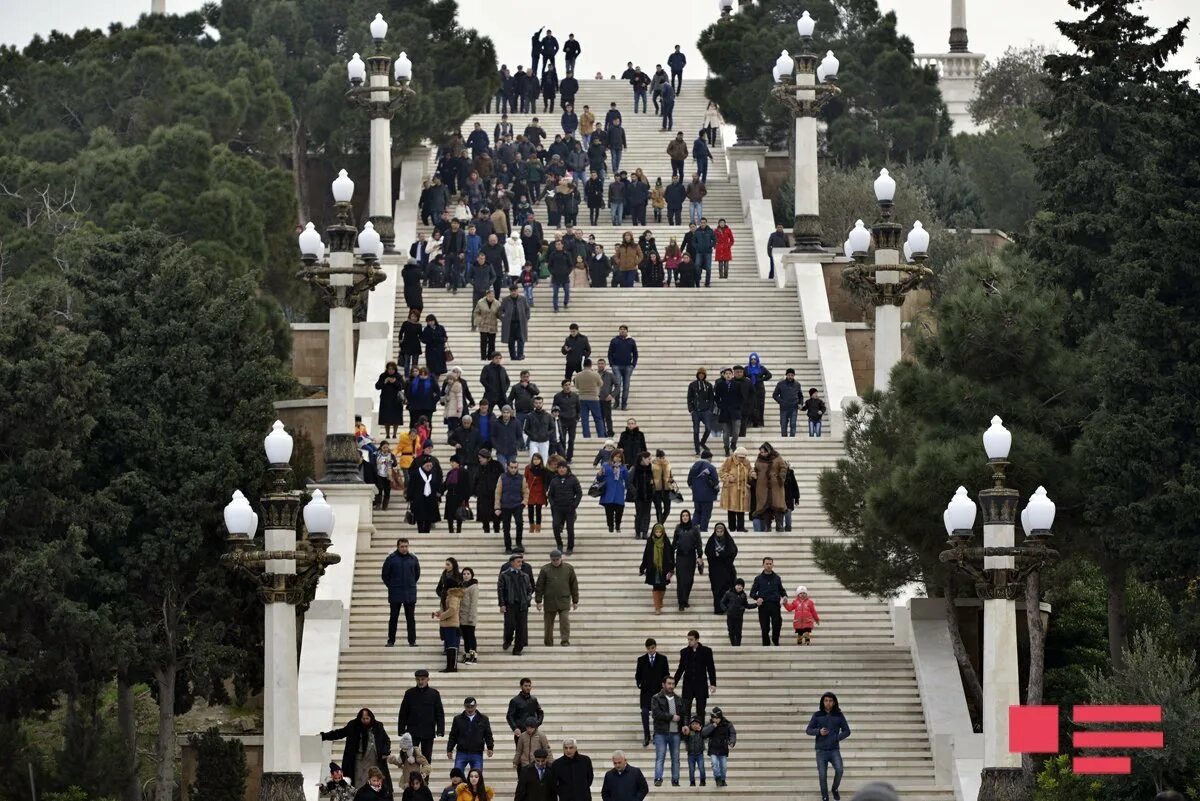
587, 688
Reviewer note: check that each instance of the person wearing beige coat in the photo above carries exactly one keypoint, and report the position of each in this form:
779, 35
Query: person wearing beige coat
449, 619
664, 484
487, 320
735, 488
529, 741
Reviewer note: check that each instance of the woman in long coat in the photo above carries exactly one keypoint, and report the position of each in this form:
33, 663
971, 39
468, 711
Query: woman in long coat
410, 341
724, 250
758, 376
424, 494
689, 555
658, 564
423, 396
615, 476
391, 403
435, 338
735, 488
410, 274
721, 551
367, 746
769, 477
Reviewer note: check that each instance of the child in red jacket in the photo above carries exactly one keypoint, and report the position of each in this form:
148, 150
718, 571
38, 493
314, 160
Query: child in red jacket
805, 616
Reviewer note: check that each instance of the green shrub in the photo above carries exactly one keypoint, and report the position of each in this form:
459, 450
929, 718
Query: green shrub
1057, 782
220, 768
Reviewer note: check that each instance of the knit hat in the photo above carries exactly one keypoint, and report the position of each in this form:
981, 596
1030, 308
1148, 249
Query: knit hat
741, 451
801, 589
717, 711
877, 791
507, 408
405, 741
469, 701
608, 442
335, 767
456, 773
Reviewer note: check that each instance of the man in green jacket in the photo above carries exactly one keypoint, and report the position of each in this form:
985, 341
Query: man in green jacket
556, 593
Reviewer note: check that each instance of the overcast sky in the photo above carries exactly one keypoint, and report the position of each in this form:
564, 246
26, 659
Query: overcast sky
615, 31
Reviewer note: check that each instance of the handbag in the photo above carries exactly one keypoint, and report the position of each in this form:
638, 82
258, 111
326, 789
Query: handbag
597, 488
464, 512
676, 496
410, 518
448, 355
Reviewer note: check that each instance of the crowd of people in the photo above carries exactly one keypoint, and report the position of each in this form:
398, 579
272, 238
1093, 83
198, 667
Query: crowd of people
368, 764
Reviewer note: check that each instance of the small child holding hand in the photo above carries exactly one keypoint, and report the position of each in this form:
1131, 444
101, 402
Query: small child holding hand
805, 615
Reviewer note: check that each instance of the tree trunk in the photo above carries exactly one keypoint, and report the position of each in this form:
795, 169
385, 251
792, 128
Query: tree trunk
165, 745
1037, 654
1115, 573
127, 725
970, 678
300, 169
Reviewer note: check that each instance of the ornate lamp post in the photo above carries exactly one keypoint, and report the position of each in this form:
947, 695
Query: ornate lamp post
341, 278
999, 570
383, 99
812, 85
887, 281
726, 7
285, 572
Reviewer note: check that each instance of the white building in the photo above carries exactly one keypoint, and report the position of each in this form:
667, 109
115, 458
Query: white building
958, 70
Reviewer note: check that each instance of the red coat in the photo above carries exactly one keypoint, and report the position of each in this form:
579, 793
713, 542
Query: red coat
805, 616
537, 486
724, 244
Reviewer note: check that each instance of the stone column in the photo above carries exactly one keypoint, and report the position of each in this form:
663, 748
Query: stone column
341, 454
958, 26
807, 225
379, 202
281, 715
158, 6
887, 317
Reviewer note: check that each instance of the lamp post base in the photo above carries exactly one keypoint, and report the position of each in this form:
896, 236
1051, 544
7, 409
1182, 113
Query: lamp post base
1003, 784
342, 464
806, 233
282, 787
386, 228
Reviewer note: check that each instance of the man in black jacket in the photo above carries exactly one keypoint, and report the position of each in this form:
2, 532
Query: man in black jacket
624, 782
520, 98
778, 241
652, 668
568, 87
535, 52
471, 734
676, 61
768, 593
675, 194
521, 707
421, 714
497, 258
733, 396
535, 782
700, 402
514, 591
504, 128
494, 379
576, 348
699, 674
484, 479
560, 263
549, 51
668, 712
572, 774
571, 51
563, 496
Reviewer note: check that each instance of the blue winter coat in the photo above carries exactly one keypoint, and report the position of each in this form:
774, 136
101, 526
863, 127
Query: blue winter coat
702, 489
401, 574
838, 728
614, 485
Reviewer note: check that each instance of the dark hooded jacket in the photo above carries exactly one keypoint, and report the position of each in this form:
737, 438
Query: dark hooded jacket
834, 721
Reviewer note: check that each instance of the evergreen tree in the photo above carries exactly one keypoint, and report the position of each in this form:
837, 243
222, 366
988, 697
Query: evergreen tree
890, 109
1118, 230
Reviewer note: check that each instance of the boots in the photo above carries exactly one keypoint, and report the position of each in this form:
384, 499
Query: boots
451, 659
807, 638
657, 595
472, 657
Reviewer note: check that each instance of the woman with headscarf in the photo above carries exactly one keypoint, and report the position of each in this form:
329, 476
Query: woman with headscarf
757, 374
689, 556
367, 746
658, 564
721, 551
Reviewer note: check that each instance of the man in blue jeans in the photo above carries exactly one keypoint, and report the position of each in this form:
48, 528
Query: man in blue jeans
814, 407
828, 725
588, 383
705, 240
470, 736
665, 711
787, 395
623, 357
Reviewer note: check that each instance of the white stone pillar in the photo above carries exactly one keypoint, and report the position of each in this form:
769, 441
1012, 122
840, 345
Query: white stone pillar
887, 321
158, 6
805, 178
339, 415
958, 26
380, 200
1001, 679
281, 704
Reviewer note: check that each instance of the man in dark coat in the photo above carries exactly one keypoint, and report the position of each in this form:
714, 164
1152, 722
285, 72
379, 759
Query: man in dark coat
495, 381
637, 195
704, 482
497, 258
572, 774
470, 735
571, 51
535, 782
549, 51
677, 61
668, 107
401, 572
560, 263
576, 348
624, 782
767, 592
699, 674
778, 241
514, 324
675, 194
514, 589
421, 714
733, 398
652, 668
563, 495
411, 274
520, 97
521, 707
485, 478
477, 141
689, 554
535, 52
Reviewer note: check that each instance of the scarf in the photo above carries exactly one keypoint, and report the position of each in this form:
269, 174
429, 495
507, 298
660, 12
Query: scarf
658, 553
428, 479
754, 369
